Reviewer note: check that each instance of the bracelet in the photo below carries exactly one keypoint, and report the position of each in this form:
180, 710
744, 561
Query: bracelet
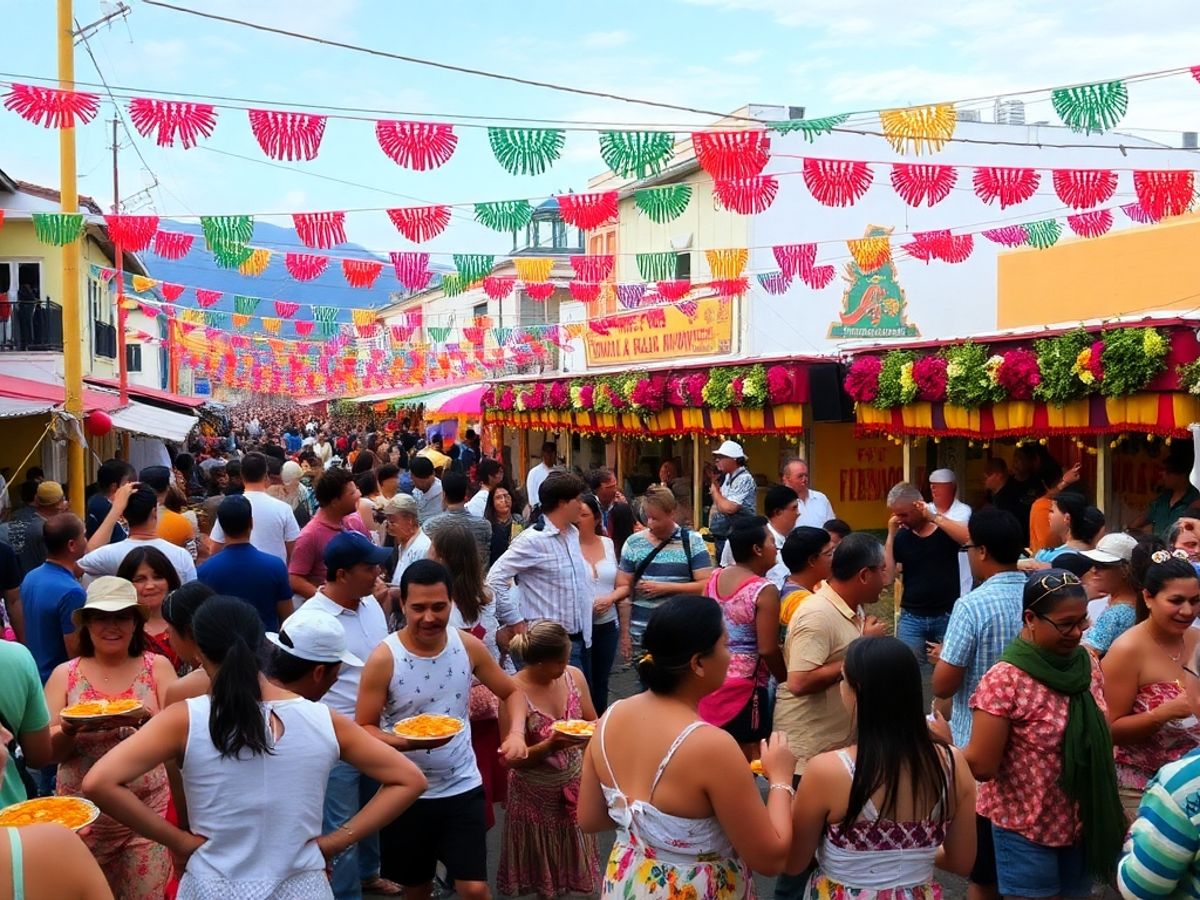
783, 787
346, 828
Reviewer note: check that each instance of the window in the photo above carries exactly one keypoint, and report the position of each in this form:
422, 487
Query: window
479, 310
683, 266
17, 274
133, 357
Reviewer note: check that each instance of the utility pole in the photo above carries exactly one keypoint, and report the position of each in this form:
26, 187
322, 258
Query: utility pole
71, 319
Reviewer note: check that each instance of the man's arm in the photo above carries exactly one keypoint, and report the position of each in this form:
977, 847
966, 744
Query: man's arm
522, 555
890, 568
103, 534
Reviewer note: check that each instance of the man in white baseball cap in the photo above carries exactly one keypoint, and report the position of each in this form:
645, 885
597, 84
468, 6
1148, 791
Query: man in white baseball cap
310, 650
732, 490
943, 488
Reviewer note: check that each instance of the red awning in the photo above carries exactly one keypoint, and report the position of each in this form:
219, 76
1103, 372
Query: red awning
148, 393
24, 389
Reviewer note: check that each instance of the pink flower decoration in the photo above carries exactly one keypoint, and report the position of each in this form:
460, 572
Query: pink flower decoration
695, 388
929, 375
560, 395
675, 389
536, 398
1095, 363
862, 381
736, 386
507, 399
779, 385
587, 396
1019, 374
489, 398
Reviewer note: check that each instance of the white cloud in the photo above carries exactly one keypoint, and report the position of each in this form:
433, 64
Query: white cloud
606, 39
744, 57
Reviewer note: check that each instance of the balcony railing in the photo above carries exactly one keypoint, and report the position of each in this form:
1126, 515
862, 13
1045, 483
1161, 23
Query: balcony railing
30, 326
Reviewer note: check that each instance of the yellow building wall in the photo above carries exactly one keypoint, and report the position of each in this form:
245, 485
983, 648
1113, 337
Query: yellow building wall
1135, 270
855, 473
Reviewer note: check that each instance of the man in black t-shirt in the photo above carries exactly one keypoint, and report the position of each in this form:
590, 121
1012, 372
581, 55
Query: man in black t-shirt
922, 548
112, 474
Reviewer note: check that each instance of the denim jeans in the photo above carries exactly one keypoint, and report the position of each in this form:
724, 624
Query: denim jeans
915, 630
638, 617
346, 793
581, 658
604, 654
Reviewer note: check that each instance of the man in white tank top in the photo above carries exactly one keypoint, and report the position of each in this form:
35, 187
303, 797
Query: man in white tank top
426, 667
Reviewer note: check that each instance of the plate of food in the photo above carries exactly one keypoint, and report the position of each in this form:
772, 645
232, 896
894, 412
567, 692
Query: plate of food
757, 768
579, 729
73, 812
90, 710
428, 728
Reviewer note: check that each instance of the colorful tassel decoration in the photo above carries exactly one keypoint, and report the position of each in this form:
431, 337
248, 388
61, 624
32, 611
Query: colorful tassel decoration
285, 309
438, 333
1008, 236
870, 252
232, 229
795, 260
141, 283
526, 151
402, 334
774, 283
361, 273
732, 154
240, 321
1163, 193
1006, 184
271, 325
636, 154
918, 183
674, 290
1091, 224
412, 270
229, 254
541, 291
172, 244
941, 245
420, 146
303, 328
473, 334
588, 211
207, 298
837, 182
809, 129
132, 234
593, 268
1084, 188
689, 308
305, 266
1043, 234
320, 230
215, 318
57, 229
726, 264
473, 266
171, 291
497, 287
533, 268
918, 129
730, 287
657, 266
244, 306
663, 204
1135, 212
630, 296
256, 263
820, 277
584, 291
747, 196
287, 135
52, 107
504, 215
1091, 108
172, 119
420, 223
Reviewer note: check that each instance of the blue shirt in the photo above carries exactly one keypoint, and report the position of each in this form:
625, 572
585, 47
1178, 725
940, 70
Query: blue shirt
981, 625
242, 570
1110, 625
292, 442
49, 594
669, 565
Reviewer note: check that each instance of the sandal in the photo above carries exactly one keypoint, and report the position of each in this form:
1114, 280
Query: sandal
382, 886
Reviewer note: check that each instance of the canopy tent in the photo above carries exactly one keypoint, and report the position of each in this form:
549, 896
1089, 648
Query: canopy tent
151, 421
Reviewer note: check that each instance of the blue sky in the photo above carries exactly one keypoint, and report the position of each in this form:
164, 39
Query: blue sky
716, 54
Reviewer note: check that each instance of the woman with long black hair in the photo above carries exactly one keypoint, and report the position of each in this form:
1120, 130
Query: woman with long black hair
880, 814
255, 760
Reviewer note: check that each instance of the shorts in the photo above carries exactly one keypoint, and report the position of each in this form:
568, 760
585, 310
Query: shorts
1026, 869
983, 873
753, 723
450, 830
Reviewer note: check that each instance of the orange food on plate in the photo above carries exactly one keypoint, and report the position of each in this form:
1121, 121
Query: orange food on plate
580, 728
428, 725
74, 812
92, 708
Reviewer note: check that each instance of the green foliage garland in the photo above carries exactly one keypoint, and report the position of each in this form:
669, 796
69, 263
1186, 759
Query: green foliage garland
1131, 357
1056, 360
968, 383
891, 391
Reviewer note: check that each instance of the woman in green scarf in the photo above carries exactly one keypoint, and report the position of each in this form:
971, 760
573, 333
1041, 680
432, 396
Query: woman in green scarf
1040, 744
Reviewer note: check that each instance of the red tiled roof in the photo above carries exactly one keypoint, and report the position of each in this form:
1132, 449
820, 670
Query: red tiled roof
23, 388
148, 393
85, 202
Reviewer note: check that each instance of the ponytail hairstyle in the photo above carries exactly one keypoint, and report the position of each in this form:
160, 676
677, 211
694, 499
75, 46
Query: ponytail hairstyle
181, 605
229, 633
681, 628
542, 642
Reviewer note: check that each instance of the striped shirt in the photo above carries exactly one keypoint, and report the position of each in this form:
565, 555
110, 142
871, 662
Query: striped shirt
981, 625
669, 565
739, 488
1161, 852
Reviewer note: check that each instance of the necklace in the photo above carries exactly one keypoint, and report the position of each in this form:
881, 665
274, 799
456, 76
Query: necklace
1174, 657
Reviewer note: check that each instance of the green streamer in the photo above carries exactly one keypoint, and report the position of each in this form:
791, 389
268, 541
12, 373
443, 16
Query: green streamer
636, 154
504, 215
57, 229
526, 151
229, 254
245, 306
214, 318
454, 283
501, 334
438, 333
473, 266
1042, 234
229, 229
810, 129
1091, 108
663, 204
657, 266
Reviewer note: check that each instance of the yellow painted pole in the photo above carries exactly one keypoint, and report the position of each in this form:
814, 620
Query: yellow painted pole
71, 320
697, 487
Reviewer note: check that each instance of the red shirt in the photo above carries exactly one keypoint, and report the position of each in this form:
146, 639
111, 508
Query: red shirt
308, 555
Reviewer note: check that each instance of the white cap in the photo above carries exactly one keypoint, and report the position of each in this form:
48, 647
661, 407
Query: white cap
942, 476
732, 449
316, 636
1112, 549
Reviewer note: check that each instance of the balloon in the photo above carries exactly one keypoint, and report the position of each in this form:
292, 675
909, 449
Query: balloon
97, 423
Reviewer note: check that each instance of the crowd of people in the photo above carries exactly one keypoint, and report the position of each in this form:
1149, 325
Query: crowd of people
284, 600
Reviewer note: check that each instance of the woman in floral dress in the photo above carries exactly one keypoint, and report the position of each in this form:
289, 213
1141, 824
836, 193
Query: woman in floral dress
113, 664
542, 849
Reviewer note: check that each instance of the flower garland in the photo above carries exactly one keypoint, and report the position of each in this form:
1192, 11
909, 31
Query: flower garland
1056, 370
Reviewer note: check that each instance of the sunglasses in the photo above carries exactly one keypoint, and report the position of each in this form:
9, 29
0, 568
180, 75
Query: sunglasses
1052, 583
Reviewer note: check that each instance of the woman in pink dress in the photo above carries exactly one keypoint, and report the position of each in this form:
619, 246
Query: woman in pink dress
113, 664
542, 849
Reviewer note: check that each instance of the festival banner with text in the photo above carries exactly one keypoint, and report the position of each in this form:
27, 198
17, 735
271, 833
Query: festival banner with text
634, 337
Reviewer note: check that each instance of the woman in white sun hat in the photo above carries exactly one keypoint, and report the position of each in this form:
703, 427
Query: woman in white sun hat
733, 492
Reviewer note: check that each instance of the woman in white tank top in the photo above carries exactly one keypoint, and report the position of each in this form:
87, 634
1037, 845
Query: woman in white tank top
254, 759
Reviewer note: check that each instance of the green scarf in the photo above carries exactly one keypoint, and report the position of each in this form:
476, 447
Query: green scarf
1088, 774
